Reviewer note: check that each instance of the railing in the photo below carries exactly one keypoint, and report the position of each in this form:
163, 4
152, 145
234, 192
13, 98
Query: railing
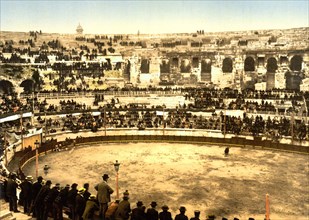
53, 145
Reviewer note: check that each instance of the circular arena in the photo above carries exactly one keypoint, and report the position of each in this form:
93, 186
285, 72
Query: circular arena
198, 176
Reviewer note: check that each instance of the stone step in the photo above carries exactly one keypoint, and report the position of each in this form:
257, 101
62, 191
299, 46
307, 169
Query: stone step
6, 215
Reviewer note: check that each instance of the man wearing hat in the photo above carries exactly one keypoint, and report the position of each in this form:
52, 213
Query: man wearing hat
124, 208
91, 207
71, 199
165, 214
59, 202
152, 213
80, 204
181, 215
11, 192
26, 191
49, 200
104, 192
36, 187
196, 215
39, 201
138, 212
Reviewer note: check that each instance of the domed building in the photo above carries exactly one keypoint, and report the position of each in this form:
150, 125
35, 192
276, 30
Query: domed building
79, 29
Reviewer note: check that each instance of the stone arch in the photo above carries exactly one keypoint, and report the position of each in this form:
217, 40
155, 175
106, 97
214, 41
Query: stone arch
145, 64
249, 64
206, 66
296, 63
28, 85
227, 65
6, 87
165, 66
175, 62
185, 66
195, 62
272, 65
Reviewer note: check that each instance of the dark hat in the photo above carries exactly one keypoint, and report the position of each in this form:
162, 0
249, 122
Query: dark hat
139, 203
153, 203
165, 207
13, 174
74, 185
48, 182
40, 178
182, 209
105, 176
67, 186
126, 194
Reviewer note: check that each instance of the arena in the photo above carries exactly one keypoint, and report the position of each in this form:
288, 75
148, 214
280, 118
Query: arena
196, 176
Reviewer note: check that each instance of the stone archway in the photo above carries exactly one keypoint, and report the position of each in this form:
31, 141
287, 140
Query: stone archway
28, 85
165, 66
249, 64
272, 65
6, 87
296, 63
145, 64
227, 65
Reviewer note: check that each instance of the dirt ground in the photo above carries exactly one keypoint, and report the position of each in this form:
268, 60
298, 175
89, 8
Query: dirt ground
196, 176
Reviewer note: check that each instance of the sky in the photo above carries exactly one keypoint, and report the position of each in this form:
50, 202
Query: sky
150, 17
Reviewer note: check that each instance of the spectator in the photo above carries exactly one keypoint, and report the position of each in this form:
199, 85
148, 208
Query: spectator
138, 212
124, 209
181, 215
196, 215
11, 192
91, 207
104, 192
80, 204
26, 190
59, 202
72, 199
165, 214
152, 213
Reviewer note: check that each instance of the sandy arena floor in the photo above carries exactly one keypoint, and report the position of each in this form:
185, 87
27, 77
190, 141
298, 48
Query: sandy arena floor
196, 176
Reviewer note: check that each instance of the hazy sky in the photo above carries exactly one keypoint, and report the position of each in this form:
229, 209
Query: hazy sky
151, 16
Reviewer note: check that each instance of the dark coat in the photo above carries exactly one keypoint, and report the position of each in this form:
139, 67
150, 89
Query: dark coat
181, 217
138, 214
152, 214
41, 195
165, 215
36, 187
91, 207
123, 211
51, 196
72, 196
80, 204
26, 188
61, 199
11, 188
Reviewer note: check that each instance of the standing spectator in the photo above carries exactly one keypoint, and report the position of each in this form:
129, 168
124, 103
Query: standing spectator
71, 199
124, 209
181, 215
49, 200
138, 213
39, 201
26, 189
86, 193
36, 187
165, 214
152, 213
104, 195
11, 192
91, 207
80, 204
59, 202
196, 215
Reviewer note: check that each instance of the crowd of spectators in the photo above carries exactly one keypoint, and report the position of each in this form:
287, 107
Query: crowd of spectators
42, 200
